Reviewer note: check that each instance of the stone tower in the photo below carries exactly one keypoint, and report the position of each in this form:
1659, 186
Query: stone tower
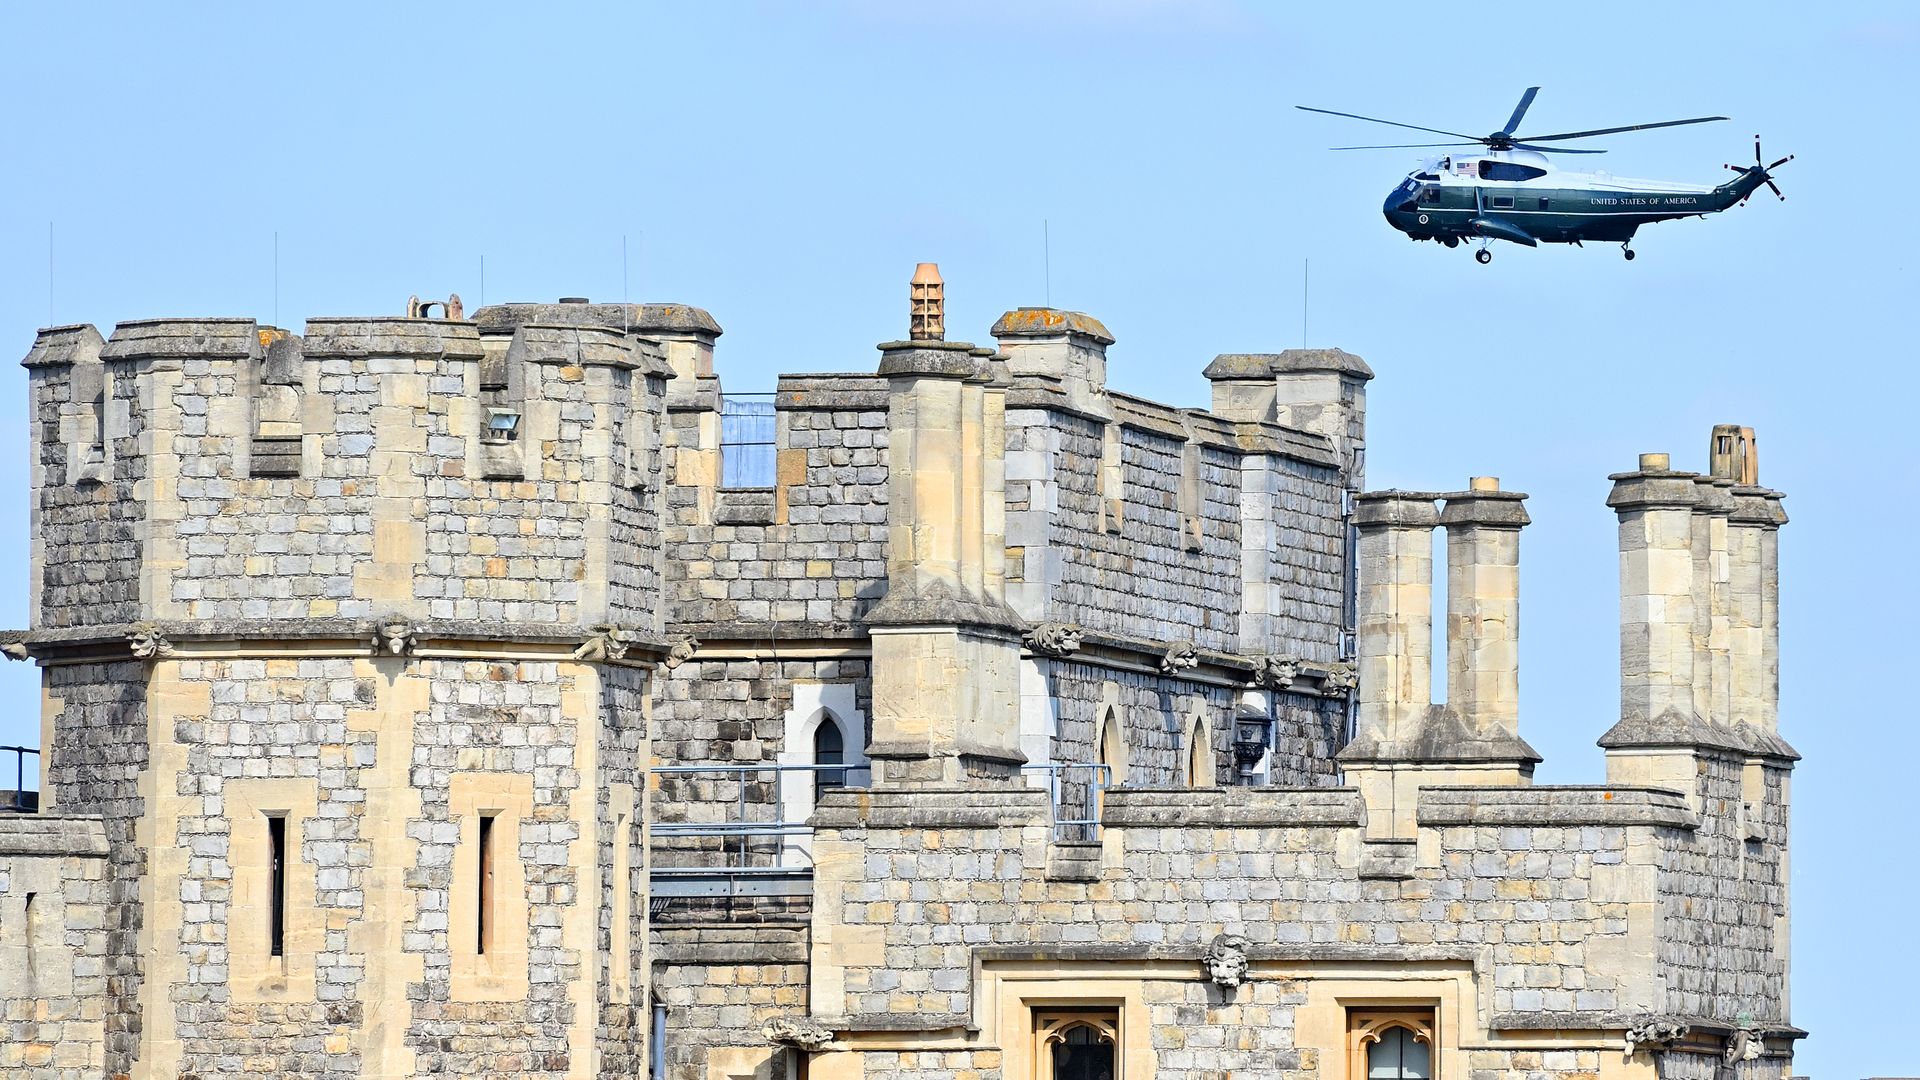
346, 639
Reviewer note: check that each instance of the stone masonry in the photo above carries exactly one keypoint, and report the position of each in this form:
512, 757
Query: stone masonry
418, 699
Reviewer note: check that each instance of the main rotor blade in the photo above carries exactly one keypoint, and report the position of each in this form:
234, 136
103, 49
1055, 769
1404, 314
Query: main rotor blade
1407, 146
1520, 110
1554, 149
1391, 123
1616, 130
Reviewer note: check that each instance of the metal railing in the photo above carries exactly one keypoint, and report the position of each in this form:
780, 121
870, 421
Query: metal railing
17, 801
1075, 828
748, 866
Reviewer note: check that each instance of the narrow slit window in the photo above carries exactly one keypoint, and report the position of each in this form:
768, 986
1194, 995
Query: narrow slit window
277, 886
829, 748
484, 923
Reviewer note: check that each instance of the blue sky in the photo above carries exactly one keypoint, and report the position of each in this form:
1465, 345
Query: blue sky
785, 166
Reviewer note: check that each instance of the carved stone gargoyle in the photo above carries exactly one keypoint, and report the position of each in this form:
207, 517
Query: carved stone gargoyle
1225, 961
1340, 678
393, 637
1651, 1030
1054, 639
147, 642
1275, 672
799, 1032
680, 649
607, 643
1745, 1045
1180, 656
15, 650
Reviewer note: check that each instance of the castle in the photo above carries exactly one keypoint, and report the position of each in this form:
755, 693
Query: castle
470, 697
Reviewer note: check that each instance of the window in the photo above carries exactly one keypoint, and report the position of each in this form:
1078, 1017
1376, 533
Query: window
747, 437
1508, 170
1390, 1044
1501, 202
1077, 1045
276, 886
1199, 755
1543, 204
1430, 194
483, 925
829, 748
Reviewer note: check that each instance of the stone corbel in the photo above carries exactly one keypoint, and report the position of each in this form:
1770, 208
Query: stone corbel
1275, 672
798, 1032
1180, 656
1656, 1031
1339, 679
680, 649
147, 642
15, 650
1054, 639
1225, 961
394, 637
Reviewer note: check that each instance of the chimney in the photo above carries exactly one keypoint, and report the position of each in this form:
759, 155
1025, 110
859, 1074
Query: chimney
1483, 604
1655, 508
1714, 502
1065, 347
928, 318
945, 643
1753, 583
1395, 609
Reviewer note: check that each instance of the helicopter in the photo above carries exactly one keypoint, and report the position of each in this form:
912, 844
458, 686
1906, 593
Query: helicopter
1512, 192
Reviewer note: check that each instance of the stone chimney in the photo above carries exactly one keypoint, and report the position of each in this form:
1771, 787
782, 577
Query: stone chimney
1655, 506
1752, 582
1483, 604
1395, 613
1066, 347
946, 647
1322, 391
686, 333
1402, 740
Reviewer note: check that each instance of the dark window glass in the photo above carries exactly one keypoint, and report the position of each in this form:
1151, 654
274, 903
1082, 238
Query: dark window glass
1083, 1055
1507, 170
1398, 1056
1430, 195
277, 888
829, 748
484, 924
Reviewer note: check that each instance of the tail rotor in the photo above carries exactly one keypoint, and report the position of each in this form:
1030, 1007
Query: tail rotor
1761, 172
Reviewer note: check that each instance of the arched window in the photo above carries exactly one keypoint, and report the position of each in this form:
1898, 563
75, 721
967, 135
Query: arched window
829, 748
1113, 746
1391, 1045
1078, 1046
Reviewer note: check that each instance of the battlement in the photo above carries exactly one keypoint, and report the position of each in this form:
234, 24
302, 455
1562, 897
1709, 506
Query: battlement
506, 469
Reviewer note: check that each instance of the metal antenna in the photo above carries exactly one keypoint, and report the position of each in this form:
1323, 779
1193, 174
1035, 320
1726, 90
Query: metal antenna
483, 281
1046, 255
49, 273
276, 277
1306, 268
624, 296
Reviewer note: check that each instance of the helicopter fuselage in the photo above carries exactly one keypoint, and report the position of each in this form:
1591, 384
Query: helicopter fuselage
1520, 197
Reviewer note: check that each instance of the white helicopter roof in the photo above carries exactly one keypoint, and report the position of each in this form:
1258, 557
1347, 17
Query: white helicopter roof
1465, 168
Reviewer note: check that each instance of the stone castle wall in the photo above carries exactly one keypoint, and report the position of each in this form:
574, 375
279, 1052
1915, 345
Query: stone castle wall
55, 948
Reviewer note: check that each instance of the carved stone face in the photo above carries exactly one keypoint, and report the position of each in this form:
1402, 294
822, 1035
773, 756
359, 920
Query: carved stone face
1226, 961
396, 638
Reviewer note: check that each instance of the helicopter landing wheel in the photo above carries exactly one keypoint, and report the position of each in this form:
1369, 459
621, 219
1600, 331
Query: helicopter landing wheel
1483, 256
1627, 251
1450, 241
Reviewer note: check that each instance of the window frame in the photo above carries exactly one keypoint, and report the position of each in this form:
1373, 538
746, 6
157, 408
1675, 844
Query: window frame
1365, 1025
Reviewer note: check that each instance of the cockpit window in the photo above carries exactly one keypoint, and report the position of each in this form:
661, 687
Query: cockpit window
1425, 176
1508, 170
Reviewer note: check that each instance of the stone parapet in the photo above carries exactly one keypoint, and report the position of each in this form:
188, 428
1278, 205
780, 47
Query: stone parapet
1556, 806
51, 835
